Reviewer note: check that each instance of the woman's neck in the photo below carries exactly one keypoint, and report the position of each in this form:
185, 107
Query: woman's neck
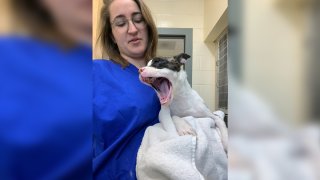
81, 35
137, 62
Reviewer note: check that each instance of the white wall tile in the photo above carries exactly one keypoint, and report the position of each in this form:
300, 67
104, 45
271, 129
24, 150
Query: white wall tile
176, 7
206, 93
202, 77
201, 49
207, 63
179, 20
196, 62
197, 35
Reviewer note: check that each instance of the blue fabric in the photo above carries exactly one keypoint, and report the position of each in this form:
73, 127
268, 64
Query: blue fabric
45, 110
123, 109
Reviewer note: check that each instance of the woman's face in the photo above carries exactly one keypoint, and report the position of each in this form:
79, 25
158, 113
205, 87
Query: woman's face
66, 13
129, 29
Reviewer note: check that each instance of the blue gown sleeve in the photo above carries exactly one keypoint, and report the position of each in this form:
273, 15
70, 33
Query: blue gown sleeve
45, 110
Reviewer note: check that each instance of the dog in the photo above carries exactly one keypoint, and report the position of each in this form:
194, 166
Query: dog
177, 98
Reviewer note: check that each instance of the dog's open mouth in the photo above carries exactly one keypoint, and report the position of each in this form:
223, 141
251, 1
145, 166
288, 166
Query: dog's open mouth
162, 86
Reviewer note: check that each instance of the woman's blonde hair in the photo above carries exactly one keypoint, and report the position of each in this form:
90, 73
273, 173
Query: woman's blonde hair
110, 49
32, 18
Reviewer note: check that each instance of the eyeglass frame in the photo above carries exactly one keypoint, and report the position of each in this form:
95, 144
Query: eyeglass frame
127, 21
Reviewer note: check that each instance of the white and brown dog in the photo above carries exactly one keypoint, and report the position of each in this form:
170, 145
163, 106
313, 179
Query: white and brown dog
177, 98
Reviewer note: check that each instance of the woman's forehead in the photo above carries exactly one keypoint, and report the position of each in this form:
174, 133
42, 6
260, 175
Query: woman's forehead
125, 8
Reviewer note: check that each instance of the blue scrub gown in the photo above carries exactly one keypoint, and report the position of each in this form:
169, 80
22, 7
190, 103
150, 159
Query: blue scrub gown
123, 109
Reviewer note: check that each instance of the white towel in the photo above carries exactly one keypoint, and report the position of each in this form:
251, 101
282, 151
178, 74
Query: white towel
165, 156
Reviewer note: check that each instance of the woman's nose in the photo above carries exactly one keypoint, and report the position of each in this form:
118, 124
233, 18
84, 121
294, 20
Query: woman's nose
132, 27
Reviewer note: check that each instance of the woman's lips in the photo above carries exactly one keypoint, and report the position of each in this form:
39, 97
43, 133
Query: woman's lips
135, 40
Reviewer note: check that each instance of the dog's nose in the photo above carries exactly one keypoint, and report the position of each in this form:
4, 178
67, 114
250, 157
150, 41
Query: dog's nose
141, 70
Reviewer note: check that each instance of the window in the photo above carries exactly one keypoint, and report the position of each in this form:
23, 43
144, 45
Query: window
222, 73
170, 45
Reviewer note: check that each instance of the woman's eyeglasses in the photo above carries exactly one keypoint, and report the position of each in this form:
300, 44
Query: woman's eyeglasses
123, 23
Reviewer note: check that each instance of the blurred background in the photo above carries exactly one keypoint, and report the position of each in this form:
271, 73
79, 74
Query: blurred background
278, 43
274, 89
45, 89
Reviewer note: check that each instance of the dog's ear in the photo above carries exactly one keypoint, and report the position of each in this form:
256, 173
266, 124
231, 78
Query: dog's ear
182, 58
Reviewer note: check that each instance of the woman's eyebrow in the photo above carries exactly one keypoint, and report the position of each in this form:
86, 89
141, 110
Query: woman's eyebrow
133, 14
121, 16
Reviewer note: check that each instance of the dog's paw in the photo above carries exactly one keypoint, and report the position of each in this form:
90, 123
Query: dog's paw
182, 127
186, 131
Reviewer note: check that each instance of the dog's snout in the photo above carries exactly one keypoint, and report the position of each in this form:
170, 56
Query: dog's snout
141, 70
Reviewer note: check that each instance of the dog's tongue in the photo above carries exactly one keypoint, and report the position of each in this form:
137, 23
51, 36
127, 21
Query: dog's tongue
165, 92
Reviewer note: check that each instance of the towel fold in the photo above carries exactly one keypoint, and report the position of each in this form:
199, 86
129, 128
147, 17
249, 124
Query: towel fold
163, 155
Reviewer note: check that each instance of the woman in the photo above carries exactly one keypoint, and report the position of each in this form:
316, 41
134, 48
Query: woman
123, 106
